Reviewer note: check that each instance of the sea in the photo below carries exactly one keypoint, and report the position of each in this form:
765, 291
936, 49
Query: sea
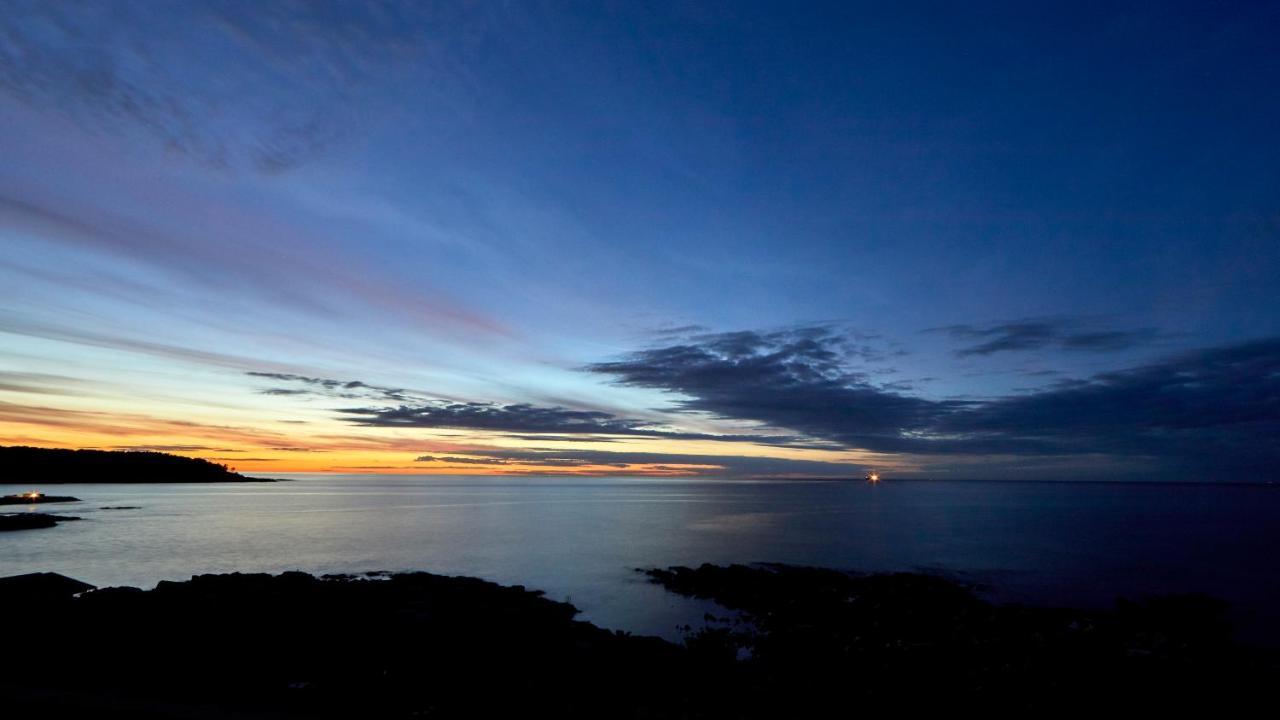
1079, 544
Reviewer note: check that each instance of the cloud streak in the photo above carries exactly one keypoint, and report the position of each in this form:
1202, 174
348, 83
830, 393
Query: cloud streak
302, 269
531, 421
1037, 334
521, 421
343, 389
551, 460
799, 380
279, 93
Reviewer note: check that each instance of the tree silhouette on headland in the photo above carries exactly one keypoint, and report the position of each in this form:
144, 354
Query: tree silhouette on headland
32, 465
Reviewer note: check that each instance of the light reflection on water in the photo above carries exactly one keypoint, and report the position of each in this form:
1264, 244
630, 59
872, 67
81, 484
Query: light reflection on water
1069, 543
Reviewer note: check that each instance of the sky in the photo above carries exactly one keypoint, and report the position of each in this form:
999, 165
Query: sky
944, 240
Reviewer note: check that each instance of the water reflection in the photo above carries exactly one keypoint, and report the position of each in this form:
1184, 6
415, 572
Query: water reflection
1070, 543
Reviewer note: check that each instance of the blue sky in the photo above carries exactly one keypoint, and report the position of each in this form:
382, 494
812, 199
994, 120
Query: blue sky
940, 232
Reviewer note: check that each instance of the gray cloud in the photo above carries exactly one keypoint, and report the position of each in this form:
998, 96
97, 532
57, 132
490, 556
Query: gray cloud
1218, 407
545, 437
173, 448
675, 331
1036, 334
463, 460
799, 380
343, 389
552, 459
39, 383
156, 349
533, 421
520, 421
1213, 408
1209, 409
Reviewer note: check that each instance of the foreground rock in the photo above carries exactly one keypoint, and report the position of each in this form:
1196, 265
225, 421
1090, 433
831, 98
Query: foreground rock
821, 644
821, 638
35, 588
410, 645
31, 521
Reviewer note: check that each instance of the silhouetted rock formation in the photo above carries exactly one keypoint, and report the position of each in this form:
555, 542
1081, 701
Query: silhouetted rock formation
23, 499
818, 637
399, 646
31, 521
35, 588
37, 466
821, 644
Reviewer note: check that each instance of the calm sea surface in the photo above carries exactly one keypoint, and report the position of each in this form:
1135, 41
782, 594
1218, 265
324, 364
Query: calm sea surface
1058, 543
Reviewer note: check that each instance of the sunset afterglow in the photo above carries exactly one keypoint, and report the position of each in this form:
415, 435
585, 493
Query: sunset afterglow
355, 245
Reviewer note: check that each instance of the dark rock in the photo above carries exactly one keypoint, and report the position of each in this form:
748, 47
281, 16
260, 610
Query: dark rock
817, 637
39, 587
31, 521
23, 499
811, 643
241, 643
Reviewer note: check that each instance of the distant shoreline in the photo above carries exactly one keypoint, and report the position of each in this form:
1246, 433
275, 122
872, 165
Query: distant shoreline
23, 465
33, 482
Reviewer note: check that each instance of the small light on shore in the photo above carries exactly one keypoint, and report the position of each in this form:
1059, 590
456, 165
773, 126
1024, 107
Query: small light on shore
33, 495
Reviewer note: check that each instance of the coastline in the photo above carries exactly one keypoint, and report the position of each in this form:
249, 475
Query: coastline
82, 480
58, 466
797, 640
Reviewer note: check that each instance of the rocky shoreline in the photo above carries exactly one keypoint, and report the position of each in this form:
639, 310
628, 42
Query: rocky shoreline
804, 643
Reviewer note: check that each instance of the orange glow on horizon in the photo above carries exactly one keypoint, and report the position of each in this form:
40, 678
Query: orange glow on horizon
337, 448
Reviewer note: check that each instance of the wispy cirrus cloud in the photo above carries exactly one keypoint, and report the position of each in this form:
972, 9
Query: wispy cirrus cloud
800, 380
37, 383
458, 460
523, 421
1057, 333
172, 448
343, 389
551, 460
152, 348
131, 425
216, 248
533, 421
279, 91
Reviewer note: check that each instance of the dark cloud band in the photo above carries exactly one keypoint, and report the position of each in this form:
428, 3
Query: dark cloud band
1210, 408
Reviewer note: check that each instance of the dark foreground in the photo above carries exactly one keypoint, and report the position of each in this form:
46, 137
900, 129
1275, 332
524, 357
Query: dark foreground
820, 643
